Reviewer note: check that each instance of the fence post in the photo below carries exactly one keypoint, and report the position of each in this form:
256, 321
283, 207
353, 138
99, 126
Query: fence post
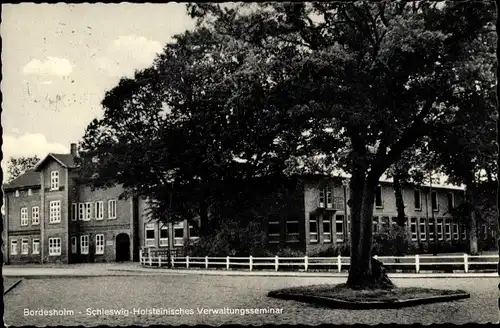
187, 262
140, 256
339, 263
150, 260
159, 261
466, 263
276, 263
227, 262
251, 262
306, 262
417, 263
206, 262
172, 262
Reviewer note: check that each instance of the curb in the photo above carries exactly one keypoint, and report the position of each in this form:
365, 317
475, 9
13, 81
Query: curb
341, 304
12, 287
303, 274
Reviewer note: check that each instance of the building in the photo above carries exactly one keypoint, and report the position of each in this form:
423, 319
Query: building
51, 217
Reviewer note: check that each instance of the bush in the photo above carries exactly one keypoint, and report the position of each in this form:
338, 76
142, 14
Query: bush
289, 252
232, 239
334, 250
393, 241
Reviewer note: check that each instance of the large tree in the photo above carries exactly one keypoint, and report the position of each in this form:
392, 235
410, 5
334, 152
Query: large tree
19, 165
381, 76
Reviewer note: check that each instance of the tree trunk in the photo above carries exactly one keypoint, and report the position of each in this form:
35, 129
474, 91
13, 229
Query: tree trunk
400, 205
470, 193
364, 272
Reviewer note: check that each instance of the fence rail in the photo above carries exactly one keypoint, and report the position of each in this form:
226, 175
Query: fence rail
414, 263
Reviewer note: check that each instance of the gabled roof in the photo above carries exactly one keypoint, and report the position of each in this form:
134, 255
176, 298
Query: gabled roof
66, 160
30, 178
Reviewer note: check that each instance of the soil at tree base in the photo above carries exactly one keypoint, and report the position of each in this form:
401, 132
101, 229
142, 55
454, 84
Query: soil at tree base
344, 293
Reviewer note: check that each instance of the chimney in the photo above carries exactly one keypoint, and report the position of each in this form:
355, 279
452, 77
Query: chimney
73, 149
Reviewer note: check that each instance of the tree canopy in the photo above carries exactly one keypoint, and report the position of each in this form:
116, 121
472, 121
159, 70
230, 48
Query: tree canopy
255, 86
19, 165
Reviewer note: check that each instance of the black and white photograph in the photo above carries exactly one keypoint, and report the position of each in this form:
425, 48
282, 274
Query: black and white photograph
250, 163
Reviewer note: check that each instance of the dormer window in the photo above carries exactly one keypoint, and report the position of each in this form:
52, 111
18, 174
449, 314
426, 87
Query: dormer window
17, 193
30, 192
54, 180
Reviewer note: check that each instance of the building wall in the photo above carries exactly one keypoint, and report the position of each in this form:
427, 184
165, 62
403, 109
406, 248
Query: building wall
59, 229
320, 241
110, 226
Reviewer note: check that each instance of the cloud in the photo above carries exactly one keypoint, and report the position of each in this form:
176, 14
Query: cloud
28, 144
51, 66
127, 54
47, 82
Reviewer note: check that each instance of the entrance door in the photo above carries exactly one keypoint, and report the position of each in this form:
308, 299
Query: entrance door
122, 247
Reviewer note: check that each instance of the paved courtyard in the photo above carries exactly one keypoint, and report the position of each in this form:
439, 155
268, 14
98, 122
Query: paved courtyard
82, 298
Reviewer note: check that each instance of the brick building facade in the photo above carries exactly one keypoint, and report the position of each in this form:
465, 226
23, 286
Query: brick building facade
50, 217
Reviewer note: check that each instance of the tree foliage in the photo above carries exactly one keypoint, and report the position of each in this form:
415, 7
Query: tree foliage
19, 165
257, 86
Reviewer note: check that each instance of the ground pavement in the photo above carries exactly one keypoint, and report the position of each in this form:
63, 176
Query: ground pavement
96, 294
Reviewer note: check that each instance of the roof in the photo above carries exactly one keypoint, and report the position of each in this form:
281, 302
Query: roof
30, 178
66, 160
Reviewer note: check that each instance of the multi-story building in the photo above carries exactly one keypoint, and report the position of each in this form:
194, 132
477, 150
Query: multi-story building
51, 217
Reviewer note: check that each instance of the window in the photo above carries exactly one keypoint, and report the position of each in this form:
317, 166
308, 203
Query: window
25, 249
385, 222
84, 244
485, 231
417, 196
54, 246
273, 230
313, 229
74, 212
24, 216
35, 215
292, 230
112, 209
375, 224
36, 246
88, 211
163, 235
463, 234
447, 229
193, 234
81, 211
451, 202
99, 210
439, 228
55, 211
99, 244
431, 230
434, 201
321, 198
30, 192
13, 247
423, 233
150, 234
394, 221
74, 245
339, 228
413, 228
54, 180
378, 197
179, 234
17, 193
455, 231
329, 197
327, 229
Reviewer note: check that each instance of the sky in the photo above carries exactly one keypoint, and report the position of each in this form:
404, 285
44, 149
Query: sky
58, 60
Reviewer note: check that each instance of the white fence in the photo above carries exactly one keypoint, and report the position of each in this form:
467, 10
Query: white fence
415, 263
